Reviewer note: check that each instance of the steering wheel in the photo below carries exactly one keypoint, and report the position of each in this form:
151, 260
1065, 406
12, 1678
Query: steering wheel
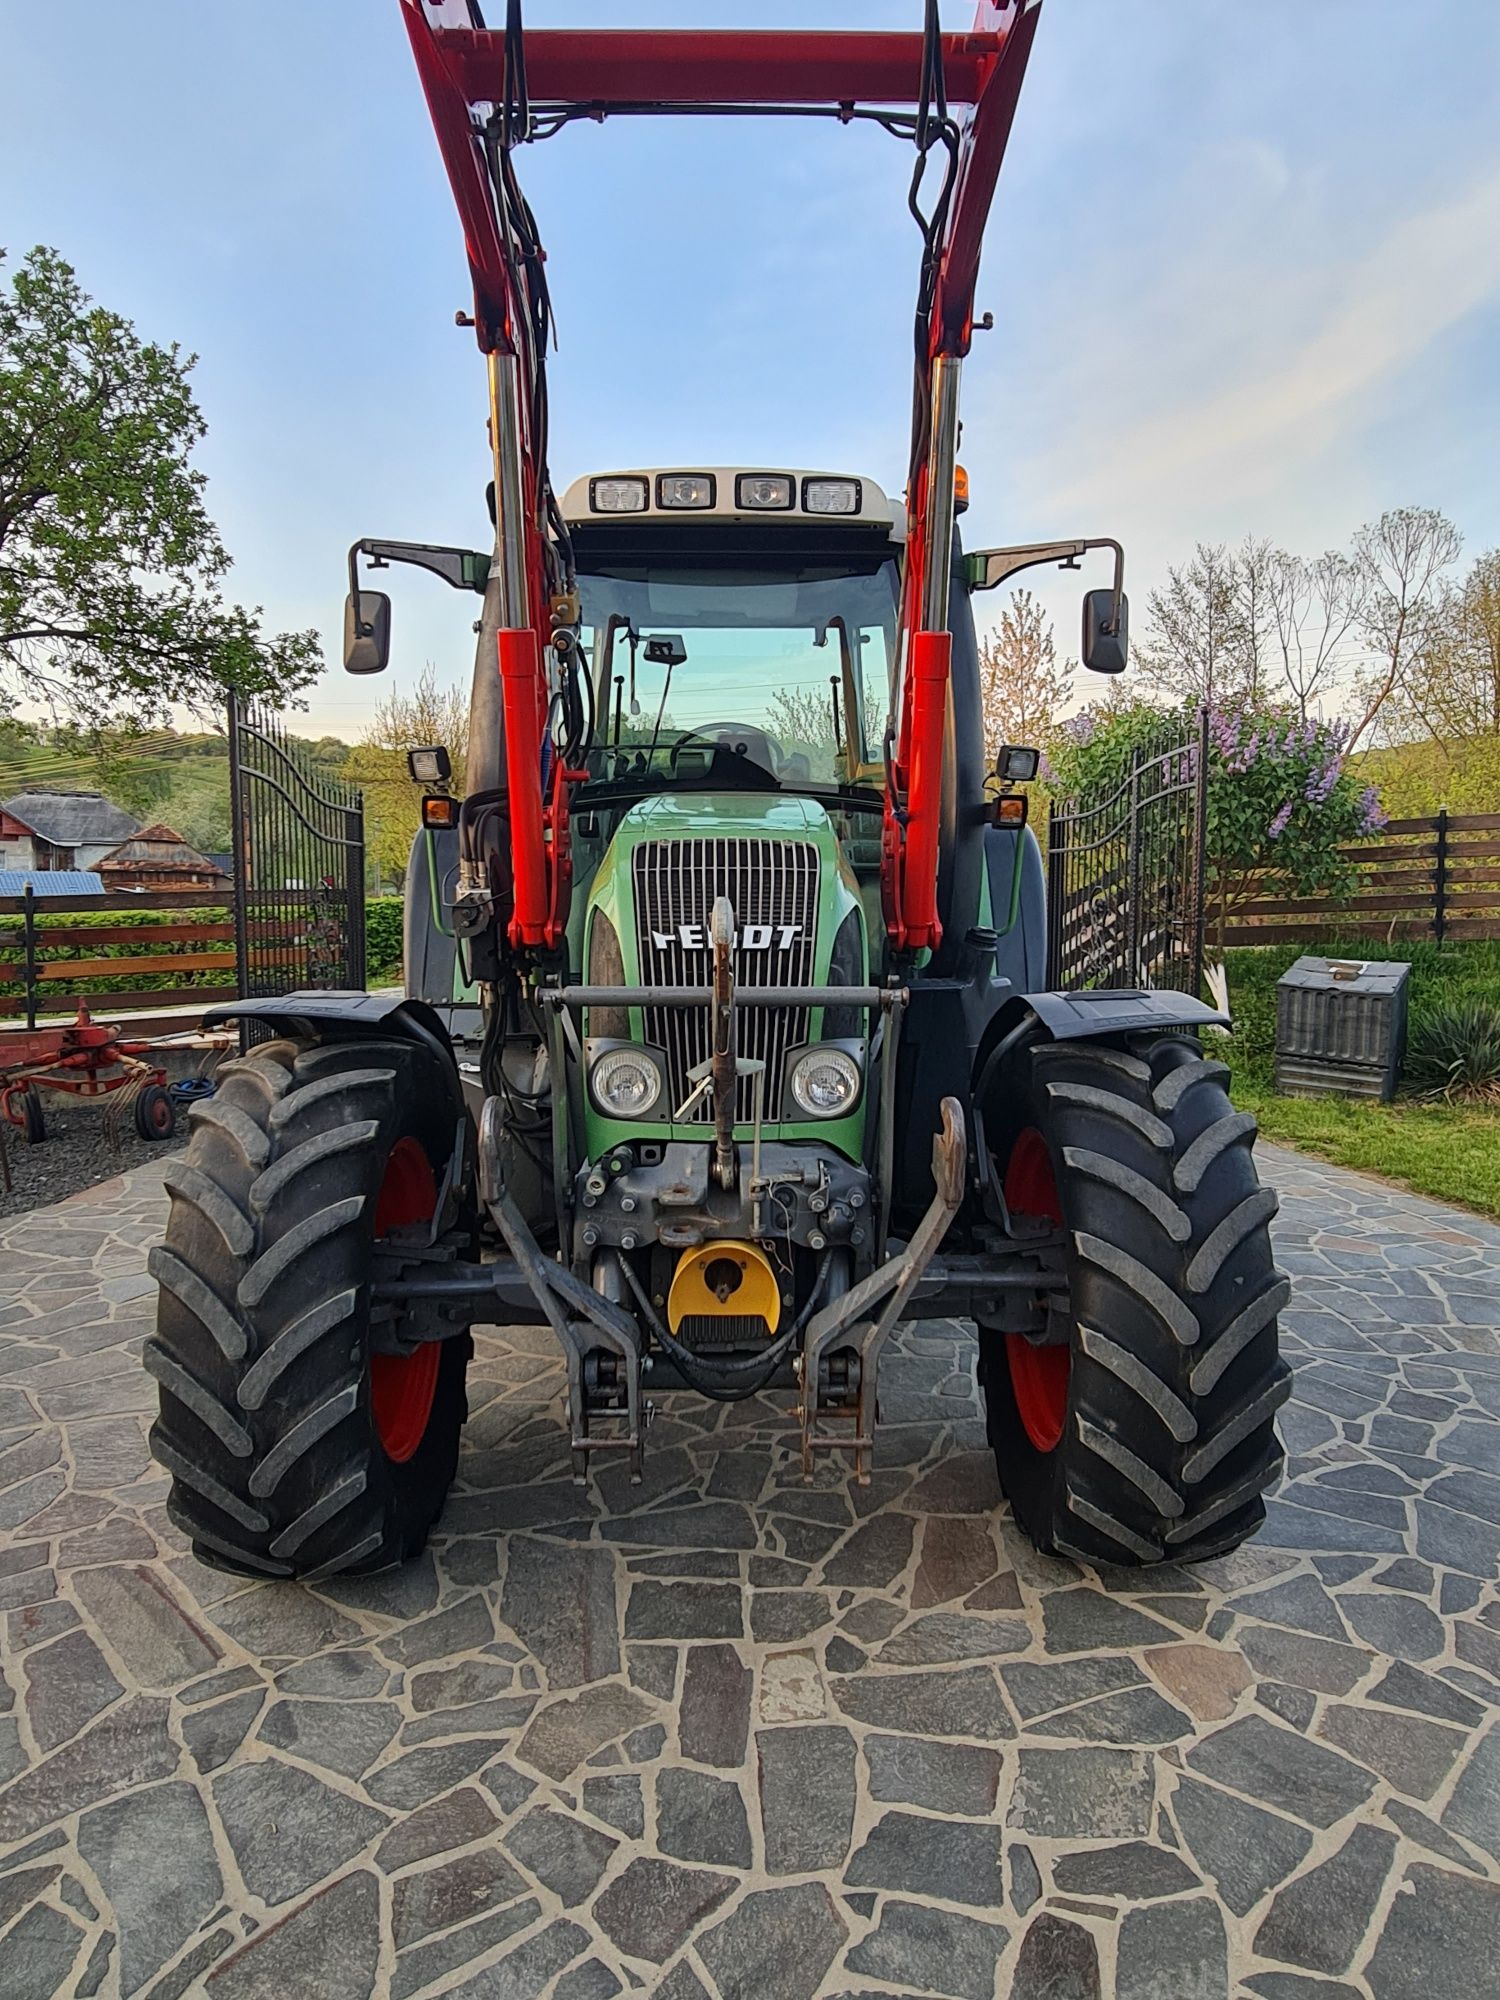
750, 741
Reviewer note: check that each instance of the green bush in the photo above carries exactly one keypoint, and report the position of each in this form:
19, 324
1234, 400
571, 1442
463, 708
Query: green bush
1280, 794
1453, 1051
383, 945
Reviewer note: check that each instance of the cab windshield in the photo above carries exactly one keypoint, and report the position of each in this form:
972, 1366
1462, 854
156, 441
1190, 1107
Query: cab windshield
740, 674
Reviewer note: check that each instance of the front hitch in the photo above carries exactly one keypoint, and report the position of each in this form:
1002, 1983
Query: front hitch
583, 1320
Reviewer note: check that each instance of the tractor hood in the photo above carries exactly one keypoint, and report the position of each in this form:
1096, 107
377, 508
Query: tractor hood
798, 919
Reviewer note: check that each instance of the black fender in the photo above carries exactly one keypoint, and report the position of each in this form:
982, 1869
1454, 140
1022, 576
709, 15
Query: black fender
349, 1015
1070, 1017
1097, 1015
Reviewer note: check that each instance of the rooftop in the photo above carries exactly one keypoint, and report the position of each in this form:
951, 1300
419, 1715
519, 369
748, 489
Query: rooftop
70, 818
50, 882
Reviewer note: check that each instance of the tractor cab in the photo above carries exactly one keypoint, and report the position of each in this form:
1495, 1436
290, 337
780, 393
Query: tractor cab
740, 626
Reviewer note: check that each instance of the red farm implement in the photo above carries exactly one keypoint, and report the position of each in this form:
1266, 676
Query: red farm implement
87, 1059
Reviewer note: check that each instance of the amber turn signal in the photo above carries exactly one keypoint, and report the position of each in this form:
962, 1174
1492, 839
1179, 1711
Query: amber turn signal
438, 810
1010, 809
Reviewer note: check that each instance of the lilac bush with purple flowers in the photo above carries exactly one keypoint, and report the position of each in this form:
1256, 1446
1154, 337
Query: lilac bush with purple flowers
1282, 798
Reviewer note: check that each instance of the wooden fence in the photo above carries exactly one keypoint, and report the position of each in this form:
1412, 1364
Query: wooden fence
1417, 878
186, 948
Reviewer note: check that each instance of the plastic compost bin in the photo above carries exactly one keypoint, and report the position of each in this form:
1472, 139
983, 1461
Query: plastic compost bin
1341, 1027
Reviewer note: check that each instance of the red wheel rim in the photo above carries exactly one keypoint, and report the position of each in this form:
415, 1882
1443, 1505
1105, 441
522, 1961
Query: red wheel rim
1038, 1375
402, 1386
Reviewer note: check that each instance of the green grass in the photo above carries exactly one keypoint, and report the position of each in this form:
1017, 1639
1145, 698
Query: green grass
1444, 1150
1450, 1151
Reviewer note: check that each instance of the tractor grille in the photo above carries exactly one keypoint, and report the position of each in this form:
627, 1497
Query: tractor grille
771, 883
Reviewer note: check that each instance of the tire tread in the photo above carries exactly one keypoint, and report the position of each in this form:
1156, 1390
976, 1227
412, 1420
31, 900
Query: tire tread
261, 1348
1170, 1443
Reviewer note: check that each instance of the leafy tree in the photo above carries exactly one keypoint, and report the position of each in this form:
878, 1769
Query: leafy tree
1315, 608
1403, 556
1282, 797
196, 804
1022, 689
1451, 688
1195, 648
801, 717
377, 764
1253, 568
111, 572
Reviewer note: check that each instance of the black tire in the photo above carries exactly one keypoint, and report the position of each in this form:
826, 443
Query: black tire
33, 1118
155, 1114
1168, 1440
262, 1348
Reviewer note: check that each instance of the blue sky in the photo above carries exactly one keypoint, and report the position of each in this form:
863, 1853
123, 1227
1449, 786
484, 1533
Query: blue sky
1244, 265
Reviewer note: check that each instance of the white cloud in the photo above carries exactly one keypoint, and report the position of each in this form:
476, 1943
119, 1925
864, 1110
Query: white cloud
1293, 395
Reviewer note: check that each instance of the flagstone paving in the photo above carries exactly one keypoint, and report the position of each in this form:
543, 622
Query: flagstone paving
724, 1734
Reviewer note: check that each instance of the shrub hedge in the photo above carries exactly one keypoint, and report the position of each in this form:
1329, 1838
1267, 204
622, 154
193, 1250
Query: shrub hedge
383, 938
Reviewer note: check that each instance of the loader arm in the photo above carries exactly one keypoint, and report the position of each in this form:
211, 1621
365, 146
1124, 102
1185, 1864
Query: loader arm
488, 90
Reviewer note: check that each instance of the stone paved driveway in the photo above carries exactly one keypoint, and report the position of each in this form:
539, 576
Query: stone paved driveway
728, 1735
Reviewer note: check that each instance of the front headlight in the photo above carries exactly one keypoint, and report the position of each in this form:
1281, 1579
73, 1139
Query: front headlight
825, 1083
626, 1083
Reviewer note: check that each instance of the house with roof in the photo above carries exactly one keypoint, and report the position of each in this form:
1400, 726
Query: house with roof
51, 829
157, 857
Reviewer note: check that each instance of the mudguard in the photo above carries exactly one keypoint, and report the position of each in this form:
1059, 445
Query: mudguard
353, 1015
1071, 1016
359, 1010
359, 1013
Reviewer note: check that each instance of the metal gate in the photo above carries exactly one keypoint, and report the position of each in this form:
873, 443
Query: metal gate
1126, 881
299, 864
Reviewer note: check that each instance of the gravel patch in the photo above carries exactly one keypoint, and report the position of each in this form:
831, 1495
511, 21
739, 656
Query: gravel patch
76, 1153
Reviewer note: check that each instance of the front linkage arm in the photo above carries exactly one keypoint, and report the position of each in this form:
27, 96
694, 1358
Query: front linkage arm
841, 1355
583, 1320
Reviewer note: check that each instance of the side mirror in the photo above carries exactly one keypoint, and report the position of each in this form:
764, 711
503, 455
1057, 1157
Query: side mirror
1105, 644
367, 632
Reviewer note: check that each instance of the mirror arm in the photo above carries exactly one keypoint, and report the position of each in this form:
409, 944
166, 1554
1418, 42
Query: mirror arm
989, 568
361, 629
463, 569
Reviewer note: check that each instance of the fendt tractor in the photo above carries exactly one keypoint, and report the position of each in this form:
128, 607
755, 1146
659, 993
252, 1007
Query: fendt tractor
722, 1051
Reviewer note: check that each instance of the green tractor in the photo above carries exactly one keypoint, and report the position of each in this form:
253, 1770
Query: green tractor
723, 1049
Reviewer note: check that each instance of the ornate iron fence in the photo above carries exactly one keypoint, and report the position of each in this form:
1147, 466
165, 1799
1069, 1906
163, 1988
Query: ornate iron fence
299, 864
1126, 884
